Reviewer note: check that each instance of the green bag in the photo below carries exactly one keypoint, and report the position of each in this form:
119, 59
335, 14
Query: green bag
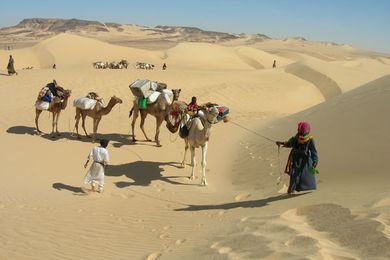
314, 170
142, 103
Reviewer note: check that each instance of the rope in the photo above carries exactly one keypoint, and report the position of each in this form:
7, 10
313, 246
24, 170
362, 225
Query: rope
279, 179
253, 132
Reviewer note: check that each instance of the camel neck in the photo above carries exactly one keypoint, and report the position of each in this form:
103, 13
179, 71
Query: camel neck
107, 109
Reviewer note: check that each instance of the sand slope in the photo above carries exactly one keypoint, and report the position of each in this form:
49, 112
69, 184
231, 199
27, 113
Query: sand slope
150, 209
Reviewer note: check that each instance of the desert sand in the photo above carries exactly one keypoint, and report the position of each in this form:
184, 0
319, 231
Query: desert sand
150, 209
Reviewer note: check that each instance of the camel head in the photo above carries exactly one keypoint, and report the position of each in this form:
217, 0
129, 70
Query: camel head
211, 114
176, 94
116, 100
67, 93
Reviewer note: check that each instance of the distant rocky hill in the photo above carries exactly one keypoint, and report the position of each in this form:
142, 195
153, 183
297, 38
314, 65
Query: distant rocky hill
33, 30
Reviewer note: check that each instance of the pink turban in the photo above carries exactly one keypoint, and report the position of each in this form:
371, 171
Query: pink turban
303, 128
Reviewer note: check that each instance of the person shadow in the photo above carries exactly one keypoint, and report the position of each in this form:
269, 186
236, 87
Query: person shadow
60, 186
242, 204
142, 173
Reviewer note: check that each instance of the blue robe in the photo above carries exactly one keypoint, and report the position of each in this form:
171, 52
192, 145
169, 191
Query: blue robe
303, 158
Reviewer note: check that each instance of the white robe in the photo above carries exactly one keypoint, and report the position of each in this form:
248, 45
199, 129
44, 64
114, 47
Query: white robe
95, 174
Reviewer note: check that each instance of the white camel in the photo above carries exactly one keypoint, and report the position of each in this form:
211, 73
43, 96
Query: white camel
199, 134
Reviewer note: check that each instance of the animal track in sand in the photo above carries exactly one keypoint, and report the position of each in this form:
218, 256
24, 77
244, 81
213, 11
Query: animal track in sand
242, 196
163, 236
180, 241
153, 256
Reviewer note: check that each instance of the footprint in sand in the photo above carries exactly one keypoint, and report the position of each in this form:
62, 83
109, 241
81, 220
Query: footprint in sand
153, 256
163, 236
273, 165
242, 196
224, 250
283, 189
179, 242
167, 227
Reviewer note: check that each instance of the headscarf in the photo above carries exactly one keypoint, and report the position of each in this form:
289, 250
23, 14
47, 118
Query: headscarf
303, 128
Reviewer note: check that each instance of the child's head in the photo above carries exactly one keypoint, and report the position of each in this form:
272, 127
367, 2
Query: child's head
104, 143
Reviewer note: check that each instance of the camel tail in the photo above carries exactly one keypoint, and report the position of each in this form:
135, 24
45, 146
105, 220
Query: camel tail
131, 112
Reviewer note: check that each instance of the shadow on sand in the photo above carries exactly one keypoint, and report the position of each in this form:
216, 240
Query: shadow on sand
21, 130
142, 173
61, 186
242, 204
117, 140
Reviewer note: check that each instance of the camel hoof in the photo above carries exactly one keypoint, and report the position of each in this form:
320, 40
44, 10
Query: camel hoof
158, 145
204, 183
182, 165
191, 178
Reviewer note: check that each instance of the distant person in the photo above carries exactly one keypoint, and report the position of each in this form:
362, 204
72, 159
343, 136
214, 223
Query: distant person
9, 48
54, 66
10, 66
302, 161
274, 65
95, 174
164, 66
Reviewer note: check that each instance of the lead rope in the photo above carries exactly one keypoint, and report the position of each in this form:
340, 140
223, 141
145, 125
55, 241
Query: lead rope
279, 179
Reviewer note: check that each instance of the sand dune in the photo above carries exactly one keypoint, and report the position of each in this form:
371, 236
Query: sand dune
150, 210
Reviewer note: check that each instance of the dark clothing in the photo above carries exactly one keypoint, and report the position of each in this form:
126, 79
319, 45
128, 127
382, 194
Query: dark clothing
10, 66
57, 91
303, 157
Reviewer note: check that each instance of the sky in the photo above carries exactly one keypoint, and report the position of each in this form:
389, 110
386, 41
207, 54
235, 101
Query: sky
361, 23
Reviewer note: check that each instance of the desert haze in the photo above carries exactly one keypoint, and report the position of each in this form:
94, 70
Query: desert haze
149, 208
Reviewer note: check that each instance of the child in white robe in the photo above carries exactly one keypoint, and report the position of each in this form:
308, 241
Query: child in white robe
95, 174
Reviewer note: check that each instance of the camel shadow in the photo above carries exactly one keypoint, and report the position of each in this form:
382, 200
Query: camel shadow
242, 204
3, 74
60, 186
117, 140
143, 173
21, 130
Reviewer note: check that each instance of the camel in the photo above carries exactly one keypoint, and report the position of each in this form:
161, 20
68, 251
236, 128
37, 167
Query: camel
96, 114
55, 109
158, 109
199, 130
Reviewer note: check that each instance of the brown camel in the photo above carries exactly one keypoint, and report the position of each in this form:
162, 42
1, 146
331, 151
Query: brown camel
158, 109
55, 109
96, 114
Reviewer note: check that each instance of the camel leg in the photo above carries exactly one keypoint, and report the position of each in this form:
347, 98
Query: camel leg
135, 116
76, 125
96, 125
158, 125
58, 116
83, 116
143, 117
204, 153
183, 163
37, 114
193, 162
